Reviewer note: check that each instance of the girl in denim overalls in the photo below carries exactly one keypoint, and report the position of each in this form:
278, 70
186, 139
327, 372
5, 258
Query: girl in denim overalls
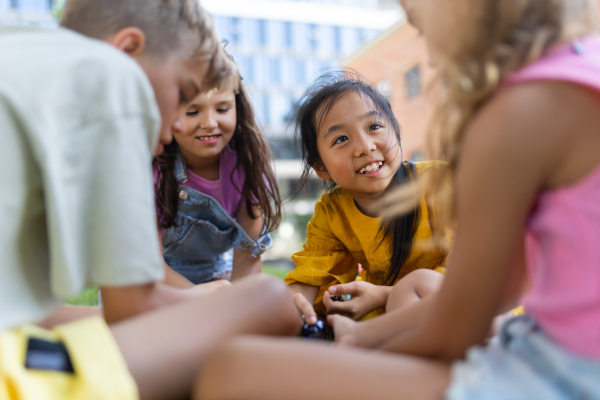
216, 191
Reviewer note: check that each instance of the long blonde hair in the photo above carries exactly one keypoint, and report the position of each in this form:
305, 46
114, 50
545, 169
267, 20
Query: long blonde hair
505, 36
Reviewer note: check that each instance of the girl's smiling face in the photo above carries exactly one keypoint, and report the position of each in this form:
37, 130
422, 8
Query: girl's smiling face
209, 125
358, 148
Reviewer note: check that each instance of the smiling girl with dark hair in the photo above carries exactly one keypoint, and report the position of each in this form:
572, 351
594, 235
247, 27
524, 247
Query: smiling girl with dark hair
351, 139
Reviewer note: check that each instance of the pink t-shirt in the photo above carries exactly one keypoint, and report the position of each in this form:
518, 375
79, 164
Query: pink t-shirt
227, 189
563, 230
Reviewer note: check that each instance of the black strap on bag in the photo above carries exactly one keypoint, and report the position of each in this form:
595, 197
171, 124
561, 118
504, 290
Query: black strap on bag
46, 355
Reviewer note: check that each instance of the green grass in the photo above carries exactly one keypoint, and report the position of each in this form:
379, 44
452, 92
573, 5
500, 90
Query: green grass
275, 270
89, 296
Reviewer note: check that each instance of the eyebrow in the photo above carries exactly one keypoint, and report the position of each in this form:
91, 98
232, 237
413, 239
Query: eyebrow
338, 127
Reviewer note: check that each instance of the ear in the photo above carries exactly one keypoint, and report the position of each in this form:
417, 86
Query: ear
321, 171
131, 40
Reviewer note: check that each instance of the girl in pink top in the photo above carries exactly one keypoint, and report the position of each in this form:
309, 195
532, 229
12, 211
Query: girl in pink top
519, 124
216, 191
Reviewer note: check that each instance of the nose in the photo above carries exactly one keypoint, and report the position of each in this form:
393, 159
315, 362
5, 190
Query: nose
364, 144
208, 121
178, 125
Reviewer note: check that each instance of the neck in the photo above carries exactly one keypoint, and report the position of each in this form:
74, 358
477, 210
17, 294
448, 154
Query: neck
205, 167
366, 203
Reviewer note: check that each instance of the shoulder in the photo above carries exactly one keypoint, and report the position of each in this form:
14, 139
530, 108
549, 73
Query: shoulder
336, 197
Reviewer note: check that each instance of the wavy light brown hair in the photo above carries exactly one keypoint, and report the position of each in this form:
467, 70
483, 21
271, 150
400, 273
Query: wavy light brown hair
501, 37
173, 28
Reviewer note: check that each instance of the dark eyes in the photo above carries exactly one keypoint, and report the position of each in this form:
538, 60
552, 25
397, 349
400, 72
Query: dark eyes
340, 139
191, 113
375, 126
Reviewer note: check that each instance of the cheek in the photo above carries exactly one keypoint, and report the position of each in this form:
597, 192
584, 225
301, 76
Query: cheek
229, 124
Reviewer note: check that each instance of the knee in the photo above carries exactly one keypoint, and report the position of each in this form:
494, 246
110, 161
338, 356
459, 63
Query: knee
414, 286
277, 300
226, 364
422, 278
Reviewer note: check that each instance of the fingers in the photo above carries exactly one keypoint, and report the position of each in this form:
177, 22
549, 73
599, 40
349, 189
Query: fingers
343, 329
305, 308
340, 307
345, 288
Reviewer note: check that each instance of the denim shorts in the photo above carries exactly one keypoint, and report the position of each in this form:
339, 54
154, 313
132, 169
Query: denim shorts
523, 363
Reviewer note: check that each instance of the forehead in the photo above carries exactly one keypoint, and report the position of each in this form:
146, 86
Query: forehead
344, 108
214, 96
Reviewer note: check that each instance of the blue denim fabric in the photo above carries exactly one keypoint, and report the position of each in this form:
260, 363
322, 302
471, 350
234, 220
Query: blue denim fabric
523, 363
197, 247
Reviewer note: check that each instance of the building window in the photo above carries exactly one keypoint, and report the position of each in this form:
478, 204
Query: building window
300, 71
313, 37
262, 32
287, 31
267, 109
385, 88
235, 30
337, 38
275, 67
413, 82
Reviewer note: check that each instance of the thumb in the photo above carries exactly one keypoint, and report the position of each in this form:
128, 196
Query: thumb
344, 288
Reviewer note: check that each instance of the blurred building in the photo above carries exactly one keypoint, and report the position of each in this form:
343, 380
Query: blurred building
396, 63
281, 45
27, 12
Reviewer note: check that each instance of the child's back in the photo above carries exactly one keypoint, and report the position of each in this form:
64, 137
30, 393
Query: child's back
52, 133
563, 231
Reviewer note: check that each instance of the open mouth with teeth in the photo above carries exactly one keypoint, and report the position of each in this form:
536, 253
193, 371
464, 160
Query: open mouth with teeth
206, 138
371, 167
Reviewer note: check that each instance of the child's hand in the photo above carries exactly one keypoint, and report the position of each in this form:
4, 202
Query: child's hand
365, 297
305, 308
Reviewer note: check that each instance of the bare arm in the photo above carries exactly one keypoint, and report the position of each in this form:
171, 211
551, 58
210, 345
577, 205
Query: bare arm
503, 166
244, 263
68, 313
121, 302
304, 298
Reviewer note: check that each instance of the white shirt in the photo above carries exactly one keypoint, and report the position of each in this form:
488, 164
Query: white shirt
78, 127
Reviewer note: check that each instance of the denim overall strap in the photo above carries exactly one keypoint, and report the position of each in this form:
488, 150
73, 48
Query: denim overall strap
242, 240
179, 170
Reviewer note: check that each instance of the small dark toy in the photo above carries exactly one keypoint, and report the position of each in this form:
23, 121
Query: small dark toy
344, 297
316, 331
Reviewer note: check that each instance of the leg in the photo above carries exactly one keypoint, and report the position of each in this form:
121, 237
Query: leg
413, 287
67, 313
290, 369
165, 349
409, 300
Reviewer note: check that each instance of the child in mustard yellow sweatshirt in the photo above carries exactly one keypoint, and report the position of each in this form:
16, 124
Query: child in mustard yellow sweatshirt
350, 137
